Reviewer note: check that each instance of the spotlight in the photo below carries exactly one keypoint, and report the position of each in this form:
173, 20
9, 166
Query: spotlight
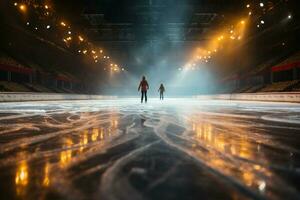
27, 23
250, 13
242, 22
248, 5
22, 7
46, 6
69, 32
290, 16
261, 4
48, 26
63, 23
257, 25
262, 21
15, 4
80, 38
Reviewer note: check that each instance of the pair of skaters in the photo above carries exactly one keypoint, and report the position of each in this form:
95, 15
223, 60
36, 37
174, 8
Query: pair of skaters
144, 86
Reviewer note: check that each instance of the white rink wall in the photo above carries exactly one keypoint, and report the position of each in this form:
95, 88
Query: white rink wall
293, 97
25, 96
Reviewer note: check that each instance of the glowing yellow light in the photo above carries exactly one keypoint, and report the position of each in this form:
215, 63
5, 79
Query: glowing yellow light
63, 23
22, 7
242, 22
95, 134
248, 5
84, 51
69, 38
93, 52
15, 4
111, 64
96, 61
80, 38
101, 51
46, 180
22, 175
250, 13
116, 65
46, 6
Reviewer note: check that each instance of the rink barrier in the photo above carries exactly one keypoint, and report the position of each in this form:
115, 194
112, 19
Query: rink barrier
293, 97
26, 96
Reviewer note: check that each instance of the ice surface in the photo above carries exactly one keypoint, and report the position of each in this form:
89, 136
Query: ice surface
172, 149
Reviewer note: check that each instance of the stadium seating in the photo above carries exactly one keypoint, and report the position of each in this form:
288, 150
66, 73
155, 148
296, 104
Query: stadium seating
279, 86
13, 87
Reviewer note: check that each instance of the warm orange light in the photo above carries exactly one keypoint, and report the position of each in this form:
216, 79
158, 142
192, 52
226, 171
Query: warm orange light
46, 6
22, 7
63, 23
80, 38
242, 22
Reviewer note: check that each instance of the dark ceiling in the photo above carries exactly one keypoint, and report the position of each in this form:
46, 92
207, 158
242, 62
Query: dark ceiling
139, 28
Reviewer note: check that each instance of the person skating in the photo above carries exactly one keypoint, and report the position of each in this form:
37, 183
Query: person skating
143, 87
161, 92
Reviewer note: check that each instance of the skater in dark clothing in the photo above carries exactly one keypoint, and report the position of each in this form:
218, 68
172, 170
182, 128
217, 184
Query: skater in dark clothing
161, 92
143, 87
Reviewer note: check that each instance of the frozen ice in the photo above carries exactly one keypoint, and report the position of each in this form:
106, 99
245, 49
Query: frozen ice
181, 148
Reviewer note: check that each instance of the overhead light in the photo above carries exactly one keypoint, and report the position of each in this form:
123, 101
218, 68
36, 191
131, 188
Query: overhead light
248, 5
48, 26
261, 4
22, 7
290, 16
262, 21
46, 6
258, 26
63, 23
80, 38
250, 13
27, 23
69, 32
242, 22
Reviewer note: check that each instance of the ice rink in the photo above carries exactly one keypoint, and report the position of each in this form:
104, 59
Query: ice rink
175, 149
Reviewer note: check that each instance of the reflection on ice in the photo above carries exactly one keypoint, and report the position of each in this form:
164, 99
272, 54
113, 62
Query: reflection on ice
51, 148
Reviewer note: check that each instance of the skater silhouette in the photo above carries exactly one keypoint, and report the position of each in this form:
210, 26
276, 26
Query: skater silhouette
161, 92
143, 87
